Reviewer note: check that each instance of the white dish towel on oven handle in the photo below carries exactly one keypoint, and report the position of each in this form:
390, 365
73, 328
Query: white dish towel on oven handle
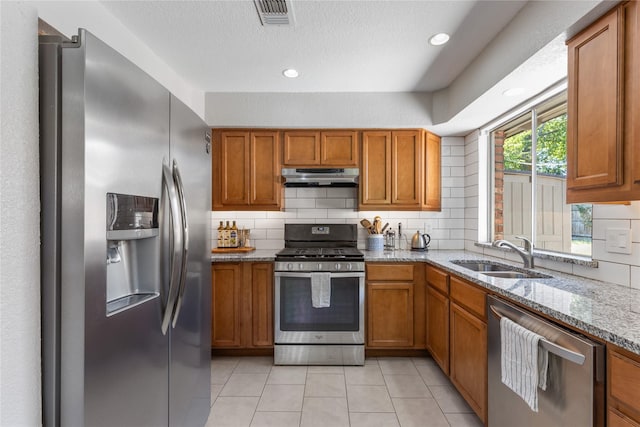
321, 290
523, 363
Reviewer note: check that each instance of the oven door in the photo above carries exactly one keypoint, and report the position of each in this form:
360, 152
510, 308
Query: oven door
298, 322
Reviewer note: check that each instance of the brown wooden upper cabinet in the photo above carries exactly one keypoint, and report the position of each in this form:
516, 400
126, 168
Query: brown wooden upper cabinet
246, 170
603, 157
400, 170
310, 148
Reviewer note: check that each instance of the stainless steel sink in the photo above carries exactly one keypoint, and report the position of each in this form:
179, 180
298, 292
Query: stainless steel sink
516, 275
483, 265
496, 269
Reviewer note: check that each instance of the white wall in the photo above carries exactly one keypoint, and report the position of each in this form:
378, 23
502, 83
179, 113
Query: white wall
68, 16
339, 205
322, 110
19, 218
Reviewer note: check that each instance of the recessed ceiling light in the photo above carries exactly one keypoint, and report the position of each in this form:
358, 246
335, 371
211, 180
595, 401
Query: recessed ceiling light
514, 91
439, 39
291, 73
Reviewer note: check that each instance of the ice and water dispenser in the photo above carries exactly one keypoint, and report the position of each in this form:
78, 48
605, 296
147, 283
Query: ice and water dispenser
133, 251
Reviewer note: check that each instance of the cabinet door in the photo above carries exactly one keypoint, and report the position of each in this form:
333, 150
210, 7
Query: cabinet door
262, 304
375, 172
225, 305
231, 158
438, 327
265, 169
301, 148
390, 314
431, 194
595, 106
632, 85
468, 353
339, 148
406, 155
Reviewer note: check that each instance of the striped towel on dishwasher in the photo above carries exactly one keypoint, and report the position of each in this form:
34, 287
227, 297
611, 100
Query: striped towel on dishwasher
523, 363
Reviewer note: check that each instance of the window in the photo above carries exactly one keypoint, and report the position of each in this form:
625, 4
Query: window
530, 170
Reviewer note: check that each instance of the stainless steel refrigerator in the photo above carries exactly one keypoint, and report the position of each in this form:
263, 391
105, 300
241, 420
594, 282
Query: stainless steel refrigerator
126, 279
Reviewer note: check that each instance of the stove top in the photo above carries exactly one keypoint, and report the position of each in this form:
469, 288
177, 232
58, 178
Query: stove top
323, 253
320, 247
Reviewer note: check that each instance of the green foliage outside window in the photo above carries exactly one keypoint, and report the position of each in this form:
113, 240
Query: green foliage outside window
551, 149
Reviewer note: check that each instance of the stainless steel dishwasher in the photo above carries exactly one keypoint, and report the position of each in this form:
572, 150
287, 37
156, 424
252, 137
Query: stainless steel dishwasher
575, 389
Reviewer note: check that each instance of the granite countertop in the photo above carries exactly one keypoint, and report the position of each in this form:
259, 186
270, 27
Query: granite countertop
604, 310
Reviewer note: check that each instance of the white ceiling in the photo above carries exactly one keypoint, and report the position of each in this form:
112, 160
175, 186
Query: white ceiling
337, 46
365, 46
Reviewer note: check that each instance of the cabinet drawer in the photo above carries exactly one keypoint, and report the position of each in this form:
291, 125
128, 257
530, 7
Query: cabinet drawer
616, 419
438, 279
390, 272
624, 380
472, 298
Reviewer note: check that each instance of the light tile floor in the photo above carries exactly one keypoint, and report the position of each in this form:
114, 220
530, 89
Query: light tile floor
385, 392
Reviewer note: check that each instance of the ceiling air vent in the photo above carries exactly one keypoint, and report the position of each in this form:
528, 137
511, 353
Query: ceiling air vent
274, 12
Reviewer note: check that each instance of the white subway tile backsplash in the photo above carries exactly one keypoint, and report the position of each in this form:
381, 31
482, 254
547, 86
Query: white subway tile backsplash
635, 277
457, 202
453, 182
458, 151
450, 244
269, 223
342, 214
457, 192
600, 226
299, 203
457, 171
330, 203
312, 213
607, 272
453, 161
601, 254
617, 211
312, 193
451, 223
457, 213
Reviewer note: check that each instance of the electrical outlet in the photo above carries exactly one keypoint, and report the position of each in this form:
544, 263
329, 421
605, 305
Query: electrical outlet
618, 240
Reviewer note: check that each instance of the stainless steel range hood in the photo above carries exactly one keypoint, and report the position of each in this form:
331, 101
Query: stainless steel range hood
316, 177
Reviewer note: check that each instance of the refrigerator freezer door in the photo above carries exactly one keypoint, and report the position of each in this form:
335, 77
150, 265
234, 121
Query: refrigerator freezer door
115, 134
190, 377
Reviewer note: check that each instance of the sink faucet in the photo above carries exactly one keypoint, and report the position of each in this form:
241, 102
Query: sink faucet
526, 254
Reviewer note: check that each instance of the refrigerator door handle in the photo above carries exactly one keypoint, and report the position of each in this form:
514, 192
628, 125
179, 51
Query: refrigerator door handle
185, 242
177, 246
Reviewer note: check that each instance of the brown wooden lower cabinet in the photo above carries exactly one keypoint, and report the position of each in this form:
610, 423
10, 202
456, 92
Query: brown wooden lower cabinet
437, 316
623, 385
468, 364
389, 314
395, 306
242, 305
438, 327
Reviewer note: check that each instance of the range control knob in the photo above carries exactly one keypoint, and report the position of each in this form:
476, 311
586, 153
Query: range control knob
289, 266
349, 266
300, 266
319, 266
338, 266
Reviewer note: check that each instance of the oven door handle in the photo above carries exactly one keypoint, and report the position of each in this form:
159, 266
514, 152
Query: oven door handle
307, 274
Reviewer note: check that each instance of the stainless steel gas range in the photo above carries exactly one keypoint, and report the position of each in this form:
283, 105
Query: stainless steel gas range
319, 296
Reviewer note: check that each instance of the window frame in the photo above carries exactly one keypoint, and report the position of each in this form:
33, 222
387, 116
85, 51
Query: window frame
486, 214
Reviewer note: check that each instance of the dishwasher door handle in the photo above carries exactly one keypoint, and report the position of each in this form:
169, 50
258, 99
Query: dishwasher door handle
554, 348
